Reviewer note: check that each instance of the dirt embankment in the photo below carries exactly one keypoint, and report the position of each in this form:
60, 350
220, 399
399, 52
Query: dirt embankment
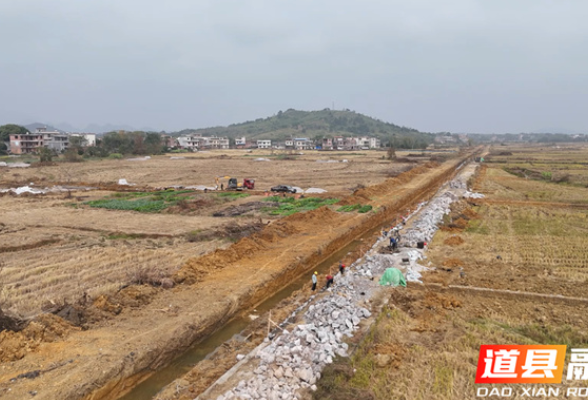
110, 358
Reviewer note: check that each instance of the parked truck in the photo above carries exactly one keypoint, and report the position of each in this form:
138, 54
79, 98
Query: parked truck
229, 183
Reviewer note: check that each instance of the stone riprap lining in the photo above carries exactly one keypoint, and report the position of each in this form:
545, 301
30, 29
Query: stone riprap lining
294, 359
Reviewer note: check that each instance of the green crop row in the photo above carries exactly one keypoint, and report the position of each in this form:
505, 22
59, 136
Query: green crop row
140, 201
355, 207
141, 205
290, 205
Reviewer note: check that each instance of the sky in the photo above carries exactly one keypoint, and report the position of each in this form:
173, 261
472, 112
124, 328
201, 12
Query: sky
484, 66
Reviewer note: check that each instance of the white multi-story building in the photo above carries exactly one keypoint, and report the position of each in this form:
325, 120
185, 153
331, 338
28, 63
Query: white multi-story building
189, 142
240, 141
197, 142
264, 144
31, 142
215, 142
303, 144
375, 143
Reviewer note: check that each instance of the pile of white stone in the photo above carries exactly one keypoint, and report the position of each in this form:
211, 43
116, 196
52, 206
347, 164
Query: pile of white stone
472, 195
315, 190
423, 229
294, 360
376, 264
458, 184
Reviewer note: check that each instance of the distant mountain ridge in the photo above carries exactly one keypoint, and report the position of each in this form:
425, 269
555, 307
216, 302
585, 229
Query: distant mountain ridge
36, 125
313, 124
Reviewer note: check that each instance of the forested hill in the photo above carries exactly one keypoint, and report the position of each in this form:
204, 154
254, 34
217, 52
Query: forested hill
313, 124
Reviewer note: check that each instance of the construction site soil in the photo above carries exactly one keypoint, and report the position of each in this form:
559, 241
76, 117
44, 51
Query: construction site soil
142, 328
332, 171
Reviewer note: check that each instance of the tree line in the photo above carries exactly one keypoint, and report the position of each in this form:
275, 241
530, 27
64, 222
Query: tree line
121, 142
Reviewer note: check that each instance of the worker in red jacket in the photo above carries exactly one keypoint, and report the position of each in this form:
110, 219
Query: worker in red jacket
330, 280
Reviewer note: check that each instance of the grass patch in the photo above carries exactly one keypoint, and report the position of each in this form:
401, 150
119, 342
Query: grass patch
290, 205
364, 209
349, 208
233, 195
355, 207
140, 201
548, 334
140, 205
477, 226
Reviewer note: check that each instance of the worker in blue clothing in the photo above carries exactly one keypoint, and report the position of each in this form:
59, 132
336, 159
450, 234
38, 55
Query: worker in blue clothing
393, 243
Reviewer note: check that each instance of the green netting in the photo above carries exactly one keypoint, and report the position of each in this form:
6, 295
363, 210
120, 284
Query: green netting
393, 277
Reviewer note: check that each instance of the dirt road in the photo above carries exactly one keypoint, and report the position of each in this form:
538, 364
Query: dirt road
105, 361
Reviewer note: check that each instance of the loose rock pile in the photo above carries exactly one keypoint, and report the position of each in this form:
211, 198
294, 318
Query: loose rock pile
294, 360
426, 225
471, 195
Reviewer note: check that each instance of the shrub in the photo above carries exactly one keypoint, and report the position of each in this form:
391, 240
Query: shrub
364, 209
71, 155
95, 151
45, 154
349, 208
115, 156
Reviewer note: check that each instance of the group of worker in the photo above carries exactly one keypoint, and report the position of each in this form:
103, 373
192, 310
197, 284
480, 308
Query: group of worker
394, 235
329, 277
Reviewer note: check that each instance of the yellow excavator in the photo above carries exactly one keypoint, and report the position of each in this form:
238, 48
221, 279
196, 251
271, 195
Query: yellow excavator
228, 183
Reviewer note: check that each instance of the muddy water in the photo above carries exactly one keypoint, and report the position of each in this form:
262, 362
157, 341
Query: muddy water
180, 366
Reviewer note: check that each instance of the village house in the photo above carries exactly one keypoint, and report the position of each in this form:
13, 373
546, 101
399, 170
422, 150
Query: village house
375, 143
29, 143
264, 144
189, 142
350, 143
240, 142
338, 143
303, 144
58, 142
216, 142
199, 142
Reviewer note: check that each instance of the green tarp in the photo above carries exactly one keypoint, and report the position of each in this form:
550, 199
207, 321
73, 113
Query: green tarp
393, 277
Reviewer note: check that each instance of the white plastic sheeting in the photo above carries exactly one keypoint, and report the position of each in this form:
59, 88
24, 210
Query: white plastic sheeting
315, 190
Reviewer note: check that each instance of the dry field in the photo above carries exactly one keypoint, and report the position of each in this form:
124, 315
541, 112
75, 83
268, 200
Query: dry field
551, 163
140, 328
52, 252
528, 235
308, 170
56, 249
